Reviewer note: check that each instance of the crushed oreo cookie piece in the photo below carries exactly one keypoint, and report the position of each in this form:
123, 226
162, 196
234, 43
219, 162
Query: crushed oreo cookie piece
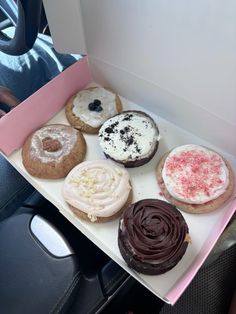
129, 141
109, 130
127, 117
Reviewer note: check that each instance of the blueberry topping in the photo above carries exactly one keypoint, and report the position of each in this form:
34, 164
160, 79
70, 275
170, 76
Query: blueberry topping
92, 106
95, 105
97, 102
98, 109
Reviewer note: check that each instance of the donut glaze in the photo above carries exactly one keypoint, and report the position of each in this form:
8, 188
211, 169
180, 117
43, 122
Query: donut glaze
194, 174
99, 188
153, 236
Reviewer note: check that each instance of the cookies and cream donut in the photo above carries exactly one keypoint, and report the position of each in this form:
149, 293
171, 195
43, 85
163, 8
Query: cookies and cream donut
153, 236
195, 178
90, 108
130, 138
97, 190
53, 150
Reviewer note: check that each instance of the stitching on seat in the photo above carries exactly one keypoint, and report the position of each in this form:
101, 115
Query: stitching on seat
113, 280
15, 195
63, 298
96, 304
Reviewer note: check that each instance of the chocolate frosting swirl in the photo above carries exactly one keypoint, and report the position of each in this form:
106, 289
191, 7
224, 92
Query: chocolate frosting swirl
154, 233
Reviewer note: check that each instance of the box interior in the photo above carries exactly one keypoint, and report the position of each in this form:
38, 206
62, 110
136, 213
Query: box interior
168, 286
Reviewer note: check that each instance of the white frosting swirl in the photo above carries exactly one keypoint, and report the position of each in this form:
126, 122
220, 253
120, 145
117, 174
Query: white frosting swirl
93, 118
128, 136
194, 174
99, 188
65, 135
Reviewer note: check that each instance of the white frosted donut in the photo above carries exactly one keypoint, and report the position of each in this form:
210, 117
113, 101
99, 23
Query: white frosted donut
130, 138
194, 174
97, 188
94, 118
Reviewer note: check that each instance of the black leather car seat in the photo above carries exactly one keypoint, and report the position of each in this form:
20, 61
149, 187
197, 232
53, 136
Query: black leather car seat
51, 267
39, 270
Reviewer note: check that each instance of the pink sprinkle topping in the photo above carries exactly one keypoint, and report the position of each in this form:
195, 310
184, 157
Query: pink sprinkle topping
195, 171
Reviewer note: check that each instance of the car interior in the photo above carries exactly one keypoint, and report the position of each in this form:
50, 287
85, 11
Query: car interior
48, 266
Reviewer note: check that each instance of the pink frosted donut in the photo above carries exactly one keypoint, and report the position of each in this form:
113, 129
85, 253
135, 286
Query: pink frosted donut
98, 190
195, 178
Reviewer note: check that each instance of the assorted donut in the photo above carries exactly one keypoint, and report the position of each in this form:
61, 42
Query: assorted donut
130, 138
53, 150
98, 190
91, 107
195, 178
153, 235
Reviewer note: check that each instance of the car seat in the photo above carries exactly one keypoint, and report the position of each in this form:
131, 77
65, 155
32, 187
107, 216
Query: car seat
48, 266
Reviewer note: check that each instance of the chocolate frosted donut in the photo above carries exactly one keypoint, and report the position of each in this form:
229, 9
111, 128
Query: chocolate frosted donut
153, 236
130, 138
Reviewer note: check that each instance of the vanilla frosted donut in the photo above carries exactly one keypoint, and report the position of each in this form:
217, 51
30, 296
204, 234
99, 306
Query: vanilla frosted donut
90, 108
53, 150
97, 190
195, 178
130, 138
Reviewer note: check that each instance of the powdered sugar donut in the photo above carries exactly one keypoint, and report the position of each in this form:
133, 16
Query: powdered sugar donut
195, 178
91, 107
97, 190
53, 150
130, 138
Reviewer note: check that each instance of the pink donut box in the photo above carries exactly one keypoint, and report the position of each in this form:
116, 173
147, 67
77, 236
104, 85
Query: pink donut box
38, 110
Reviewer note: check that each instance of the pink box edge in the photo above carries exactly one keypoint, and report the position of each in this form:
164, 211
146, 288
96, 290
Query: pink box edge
71, 80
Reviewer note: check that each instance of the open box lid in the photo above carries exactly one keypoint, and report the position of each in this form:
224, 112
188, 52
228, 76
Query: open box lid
177, 60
